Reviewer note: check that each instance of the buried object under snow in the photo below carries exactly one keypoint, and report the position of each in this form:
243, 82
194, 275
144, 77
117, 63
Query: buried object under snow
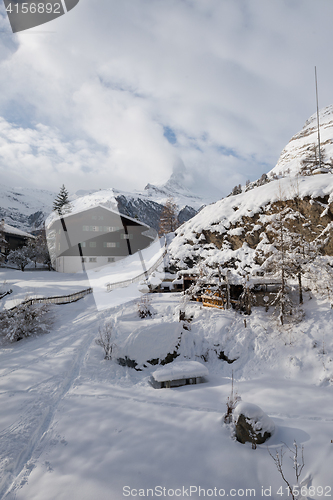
179, 373
252, 424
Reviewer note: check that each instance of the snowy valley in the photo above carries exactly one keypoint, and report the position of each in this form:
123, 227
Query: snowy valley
76, 425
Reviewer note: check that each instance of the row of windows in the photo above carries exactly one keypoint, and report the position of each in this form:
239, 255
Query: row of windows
101, 229
94, 259
106, 244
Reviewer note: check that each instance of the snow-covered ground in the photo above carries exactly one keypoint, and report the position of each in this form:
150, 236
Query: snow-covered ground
75, 426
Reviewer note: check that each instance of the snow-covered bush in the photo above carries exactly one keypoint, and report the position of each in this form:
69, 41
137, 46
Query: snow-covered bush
20, 257
24, 321
144, 307
106, 339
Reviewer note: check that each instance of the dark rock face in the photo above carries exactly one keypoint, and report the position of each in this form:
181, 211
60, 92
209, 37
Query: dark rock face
246, 432
186, 214
149, 211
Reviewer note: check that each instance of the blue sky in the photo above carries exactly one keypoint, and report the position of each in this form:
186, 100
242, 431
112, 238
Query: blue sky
119, 94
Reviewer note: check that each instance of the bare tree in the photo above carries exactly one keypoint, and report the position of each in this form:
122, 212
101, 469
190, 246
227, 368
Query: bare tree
144, 306
232, 402
296, 455
106, 339
168, 219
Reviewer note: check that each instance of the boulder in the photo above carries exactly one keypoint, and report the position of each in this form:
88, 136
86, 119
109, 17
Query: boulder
252, 424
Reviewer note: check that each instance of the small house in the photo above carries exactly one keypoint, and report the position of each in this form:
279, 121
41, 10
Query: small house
12, 238
179, 373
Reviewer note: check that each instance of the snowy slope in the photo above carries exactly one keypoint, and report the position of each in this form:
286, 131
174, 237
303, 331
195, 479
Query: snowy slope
298, 147
225, 229
74, 425
25, 208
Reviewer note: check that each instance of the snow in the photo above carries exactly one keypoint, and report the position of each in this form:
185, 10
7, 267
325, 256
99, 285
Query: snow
299, 145
74, 425
180, 370
128, 268
252, 412
13, 230
220, 216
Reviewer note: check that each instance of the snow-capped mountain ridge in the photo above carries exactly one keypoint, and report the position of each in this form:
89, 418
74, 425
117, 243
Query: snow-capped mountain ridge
28, 208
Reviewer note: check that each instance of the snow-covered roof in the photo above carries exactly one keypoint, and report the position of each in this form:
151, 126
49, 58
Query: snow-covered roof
76, 208
180, 370
7, 229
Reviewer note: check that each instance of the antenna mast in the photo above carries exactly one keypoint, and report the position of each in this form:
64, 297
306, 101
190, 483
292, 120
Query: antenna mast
318, 118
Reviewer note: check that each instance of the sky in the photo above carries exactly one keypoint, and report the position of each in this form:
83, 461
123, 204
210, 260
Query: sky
121, 94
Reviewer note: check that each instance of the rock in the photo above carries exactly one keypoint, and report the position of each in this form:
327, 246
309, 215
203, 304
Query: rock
252, 424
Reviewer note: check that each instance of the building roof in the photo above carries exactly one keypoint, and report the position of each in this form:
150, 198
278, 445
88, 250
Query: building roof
77, 209
180, 370
7, 229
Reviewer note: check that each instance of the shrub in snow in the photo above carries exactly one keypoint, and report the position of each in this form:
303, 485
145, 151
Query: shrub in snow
231, 403
144, 307
298, 465
106, 340
252, 424
20, 257
25, 321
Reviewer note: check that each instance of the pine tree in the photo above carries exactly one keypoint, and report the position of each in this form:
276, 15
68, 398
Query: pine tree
61, 202
168, 219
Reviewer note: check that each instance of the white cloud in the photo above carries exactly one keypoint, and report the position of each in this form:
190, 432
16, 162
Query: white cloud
232, 80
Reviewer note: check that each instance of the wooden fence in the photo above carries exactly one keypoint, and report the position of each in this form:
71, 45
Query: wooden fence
2, 295
62, 299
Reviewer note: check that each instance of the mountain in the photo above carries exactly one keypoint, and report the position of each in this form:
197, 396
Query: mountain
239, 232
302, 144
27, 208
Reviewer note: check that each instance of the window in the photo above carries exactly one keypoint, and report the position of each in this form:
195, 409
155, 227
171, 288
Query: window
110, 229
111, 244
94, 217
126, 236
83, 244
92, 244
111, 259
83, 259
92, 259
85, 228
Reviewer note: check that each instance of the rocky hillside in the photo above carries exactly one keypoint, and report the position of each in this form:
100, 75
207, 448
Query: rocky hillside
237, 231
302, 144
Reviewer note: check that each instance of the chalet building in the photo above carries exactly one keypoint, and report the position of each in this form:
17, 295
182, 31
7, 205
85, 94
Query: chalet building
11, 238
94, 237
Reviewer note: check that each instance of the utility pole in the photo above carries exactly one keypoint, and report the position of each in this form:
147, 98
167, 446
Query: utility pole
318, 118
